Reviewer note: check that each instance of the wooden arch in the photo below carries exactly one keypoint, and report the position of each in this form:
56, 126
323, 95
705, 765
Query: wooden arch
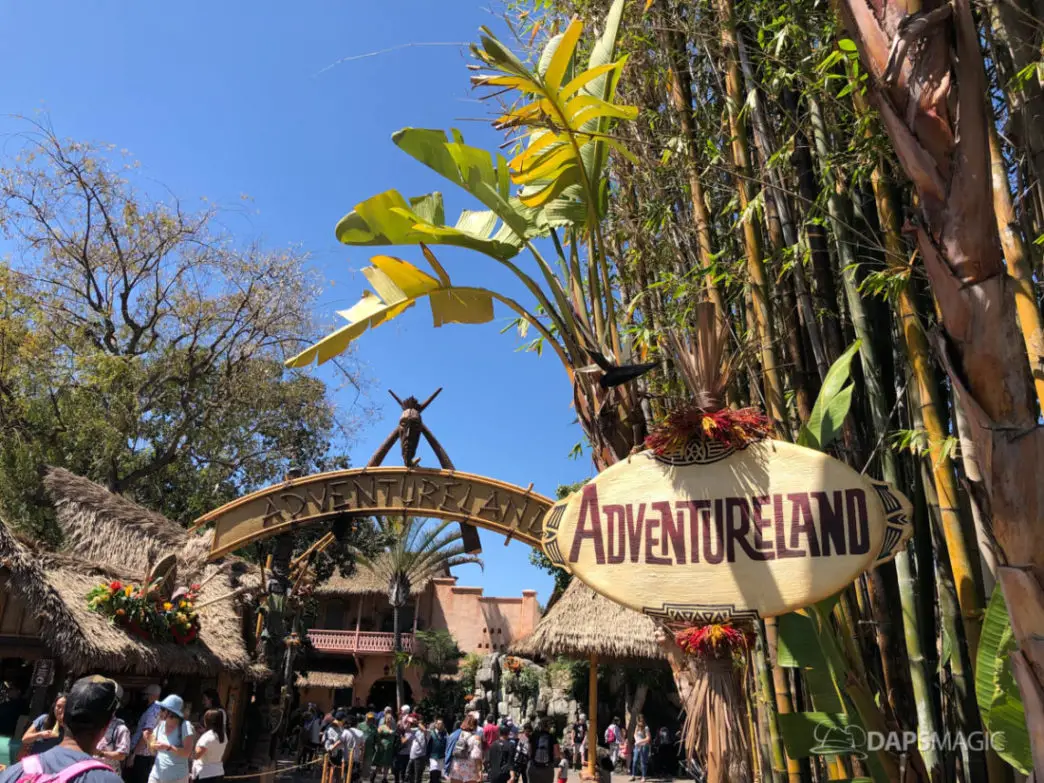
446, 494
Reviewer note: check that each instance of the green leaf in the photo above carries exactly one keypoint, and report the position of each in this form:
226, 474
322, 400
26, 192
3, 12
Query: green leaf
471, 168
832, 405
1000, 704
808, 733
388, 219
847, 45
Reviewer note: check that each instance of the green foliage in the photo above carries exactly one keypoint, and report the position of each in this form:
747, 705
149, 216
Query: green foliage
468, 669
121, 364
831, 408
1000, 704
439, 654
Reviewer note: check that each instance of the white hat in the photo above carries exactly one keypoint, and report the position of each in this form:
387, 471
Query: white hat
152, 690
405, 708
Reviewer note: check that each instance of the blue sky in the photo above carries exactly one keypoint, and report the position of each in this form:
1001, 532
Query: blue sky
230, 99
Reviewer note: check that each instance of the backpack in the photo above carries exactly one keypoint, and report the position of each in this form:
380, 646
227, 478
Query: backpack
33, 771
460, 748
542, 754
110, 732
610, 735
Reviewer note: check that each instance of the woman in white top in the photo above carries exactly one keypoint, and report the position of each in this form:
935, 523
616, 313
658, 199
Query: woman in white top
210, 748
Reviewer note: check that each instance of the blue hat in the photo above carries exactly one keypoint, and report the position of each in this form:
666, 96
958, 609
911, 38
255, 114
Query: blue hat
173, 703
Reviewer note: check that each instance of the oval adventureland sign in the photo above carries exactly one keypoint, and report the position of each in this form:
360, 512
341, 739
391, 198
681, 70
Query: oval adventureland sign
714, 533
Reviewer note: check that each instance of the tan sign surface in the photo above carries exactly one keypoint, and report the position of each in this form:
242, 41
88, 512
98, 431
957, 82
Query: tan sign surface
445, 494
711, 534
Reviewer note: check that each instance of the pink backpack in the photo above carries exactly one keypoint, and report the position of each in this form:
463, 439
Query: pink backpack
33, 772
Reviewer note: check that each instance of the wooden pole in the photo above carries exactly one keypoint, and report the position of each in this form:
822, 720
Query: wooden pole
592, 717
261, 617
326, 766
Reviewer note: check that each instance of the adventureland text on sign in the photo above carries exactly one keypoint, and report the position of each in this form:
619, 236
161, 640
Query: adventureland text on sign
757, 532
445, 494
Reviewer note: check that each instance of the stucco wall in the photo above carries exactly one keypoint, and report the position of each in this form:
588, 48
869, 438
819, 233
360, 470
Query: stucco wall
480, 624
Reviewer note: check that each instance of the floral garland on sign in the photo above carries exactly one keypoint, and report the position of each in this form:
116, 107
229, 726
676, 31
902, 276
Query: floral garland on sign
146, 612
715, 641
733, 428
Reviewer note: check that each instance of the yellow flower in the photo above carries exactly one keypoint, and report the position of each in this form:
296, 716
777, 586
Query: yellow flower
181, 604
167, 606
180, 617
128, 590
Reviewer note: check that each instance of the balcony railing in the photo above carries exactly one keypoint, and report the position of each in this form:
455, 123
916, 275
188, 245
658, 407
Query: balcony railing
357, 643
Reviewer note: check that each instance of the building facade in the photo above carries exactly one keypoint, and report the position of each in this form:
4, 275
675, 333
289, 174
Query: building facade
352, 660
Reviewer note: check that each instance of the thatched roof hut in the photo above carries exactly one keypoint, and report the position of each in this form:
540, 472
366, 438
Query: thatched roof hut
54, 586
583, 623
106, 528
108, 537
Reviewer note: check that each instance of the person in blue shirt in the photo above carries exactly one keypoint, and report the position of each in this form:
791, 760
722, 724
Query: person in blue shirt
174, 741
88, 708
141, 757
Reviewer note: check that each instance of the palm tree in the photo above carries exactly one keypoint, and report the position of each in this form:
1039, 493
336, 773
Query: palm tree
419, 550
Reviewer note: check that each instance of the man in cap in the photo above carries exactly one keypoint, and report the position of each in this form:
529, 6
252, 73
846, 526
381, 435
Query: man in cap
89, 707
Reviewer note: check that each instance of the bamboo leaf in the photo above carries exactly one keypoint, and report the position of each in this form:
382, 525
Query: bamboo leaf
563, 56
832, 405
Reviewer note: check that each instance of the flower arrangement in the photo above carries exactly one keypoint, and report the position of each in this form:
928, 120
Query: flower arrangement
513, 664
714, 641
146, 612
733, 428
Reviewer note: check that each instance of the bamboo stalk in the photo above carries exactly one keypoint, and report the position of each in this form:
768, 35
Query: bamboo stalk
784, 703
681, 99
752, 239
768, 706
1017, 263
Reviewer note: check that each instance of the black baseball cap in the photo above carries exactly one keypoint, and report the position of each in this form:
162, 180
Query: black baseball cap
91, 702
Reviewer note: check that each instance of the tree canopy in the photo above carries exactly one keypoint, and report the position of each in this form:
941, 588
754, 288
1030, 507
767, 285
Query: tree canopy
141, 345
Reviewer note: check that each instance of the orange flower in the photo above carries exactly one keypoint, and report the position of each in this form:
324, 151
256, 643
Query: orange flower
167, 606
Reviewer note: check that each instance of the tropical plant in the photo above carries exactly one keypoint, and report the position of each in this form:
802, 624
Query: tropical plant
560, 128
419, 550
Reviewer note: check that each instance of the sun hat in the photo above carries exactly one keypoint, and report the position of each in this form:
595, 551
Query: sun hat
174, 704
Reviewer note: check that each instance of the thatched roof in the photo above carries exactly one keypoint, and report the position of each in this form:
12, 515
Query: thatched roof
55, 586
362, 582
325, 680
582, 623
106, 528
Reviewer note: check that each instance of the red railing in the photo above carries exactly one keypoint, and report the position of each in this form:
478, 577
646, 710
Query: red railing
356, 643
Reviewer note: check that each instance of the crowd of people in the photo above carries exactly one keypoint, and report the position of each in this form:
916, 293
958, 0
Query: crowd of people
404, 747
82, 737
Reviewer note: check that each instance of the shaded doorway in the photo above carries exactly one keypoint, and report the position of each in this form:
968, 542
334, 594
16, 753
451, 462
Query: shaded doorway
382, 693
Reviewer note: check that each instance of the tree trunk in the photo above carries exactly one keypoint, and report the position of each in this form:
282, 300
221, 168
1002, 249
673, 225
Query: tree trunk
942, 140
400, 697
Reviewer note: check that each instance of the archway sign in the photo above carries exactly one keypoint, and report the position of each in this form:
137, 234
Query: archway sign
446, 494
707, 534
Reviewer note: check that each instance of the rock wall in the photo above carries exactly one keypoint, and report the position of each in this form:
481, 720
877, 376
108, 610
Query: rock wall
496, 691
